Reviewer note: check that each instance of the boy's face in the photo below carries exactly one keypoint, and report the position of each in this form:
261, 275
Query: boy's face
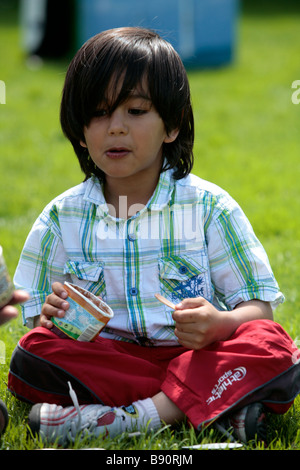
128, 142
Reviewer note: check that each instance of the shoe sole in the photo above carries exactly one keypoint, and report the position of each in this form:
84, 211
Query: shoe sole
4, 413
34, 419
254, 425
255, 422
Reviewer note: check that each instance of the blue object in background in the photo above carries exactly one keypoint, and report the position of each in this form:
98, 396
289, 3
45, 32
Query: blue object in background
202, 31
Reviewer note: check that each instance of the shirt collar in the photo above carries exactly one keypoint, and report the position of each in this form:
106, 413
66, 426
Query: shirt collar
163, 191
160, 198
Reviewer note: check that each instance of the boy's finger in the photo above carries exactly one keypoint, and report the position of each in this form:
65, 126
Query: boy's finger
190, 303
58, 289
45, 321
186, 316
49, 311
57, 302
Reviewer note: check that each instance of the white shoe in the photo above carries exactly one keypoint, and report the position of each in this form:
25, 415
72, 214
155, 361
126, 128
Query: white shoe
61, 425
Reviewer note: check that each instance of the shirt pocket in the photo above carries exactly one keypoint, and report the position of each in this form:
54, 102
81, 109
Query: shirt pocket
184, 276
87, 274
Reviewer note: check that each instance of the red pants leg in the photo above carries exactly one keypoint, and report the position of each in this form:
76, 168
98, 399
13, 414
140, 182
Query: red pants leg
256, 364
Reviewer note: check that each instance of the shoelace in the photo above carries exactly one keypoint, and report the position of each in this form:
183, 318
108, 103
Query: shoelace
91, 421
75, 426
76, 405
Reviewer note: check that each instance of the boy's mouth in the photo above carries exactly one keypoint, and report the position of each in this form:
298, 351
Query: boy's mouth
117, 152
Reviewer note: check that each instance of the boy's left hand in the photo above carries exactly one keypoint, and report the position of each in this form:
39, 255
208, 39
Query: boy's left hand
198, 323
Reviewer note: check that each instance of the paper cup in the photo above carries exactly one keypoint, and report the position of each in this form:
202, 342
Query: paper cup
85, 318
6, 285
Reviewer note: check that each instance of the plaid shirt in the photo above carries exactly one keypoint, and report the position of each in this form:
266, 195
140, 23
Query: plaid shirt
192, 239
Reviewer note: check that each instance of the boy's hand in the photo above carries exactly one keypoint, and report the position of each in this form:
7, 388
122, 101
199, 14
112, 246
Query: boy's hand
55, 305
199, 323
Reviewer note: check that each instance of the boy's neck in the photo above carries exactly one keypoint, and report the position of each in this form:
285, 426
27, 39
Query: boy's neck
126, 198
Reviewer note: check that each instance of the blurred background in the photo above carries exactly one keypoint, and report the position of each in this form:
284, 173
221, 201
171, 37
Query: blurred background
202, 31
242, 59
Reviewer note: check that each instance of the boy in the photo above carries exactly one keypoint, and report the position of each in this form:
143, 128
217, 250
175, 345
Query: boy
139, 224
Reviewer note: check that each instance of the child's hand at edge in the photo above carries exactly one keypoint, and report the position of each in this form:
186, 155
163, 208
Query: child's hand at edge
9, 312
55, 305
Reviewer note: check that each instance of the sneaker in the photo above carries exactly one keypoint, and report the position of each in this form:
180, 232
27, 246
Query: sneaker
56, 424
3, 417
60, 425
246, 424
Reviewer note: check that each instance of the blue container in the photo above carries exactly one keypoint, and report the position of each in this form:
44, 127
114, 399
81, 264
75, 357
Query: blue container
202, 31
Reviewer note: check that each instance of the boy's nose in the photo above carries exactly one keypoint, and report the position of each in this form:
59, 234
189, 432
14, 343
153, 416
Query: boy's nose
117, 123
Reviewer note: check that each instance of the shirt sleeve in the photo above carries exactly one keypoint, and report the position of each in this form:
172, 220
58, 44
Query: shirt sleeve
240, 269
41, 263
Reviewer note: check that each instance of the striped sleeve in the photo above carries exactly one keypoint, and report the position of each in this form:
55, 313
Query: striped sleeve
240, 268
41, 263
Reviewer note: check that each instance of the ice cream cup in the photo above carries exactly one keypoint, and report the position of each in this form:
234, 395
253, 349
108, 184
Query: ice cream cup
86, 316
6, 285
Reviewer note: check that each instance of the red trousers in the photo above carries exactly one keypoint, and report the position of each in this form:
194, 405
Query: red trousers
259, 362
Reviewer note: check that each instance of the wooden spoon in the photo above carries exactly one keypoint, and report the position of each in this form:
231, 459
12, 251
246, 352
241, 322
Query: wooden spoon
165, 301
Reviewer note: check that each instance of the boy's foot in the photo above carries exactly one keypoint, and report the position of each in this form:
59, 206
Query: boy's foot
3, 417
246, 424
61, 425
57, 424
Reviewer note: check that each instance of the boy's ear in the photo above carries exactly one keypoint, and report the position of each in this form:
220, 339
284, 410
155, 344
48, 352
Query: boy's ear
83, 144
171, 136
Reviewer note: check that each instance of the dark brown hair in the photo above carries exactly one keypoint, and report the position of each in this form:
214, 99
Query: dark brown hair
135, 54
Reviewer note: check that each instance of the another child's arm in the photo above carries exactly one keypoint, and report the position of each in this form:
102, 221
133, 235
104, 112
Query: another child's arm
199, 323
54, 306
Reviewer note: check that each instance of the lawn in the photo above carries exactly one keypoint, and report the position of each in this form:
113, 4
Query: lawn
247, 141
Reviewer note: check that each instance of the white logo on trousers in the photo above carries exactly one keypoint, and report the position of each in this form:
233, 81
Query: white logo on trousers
225, 381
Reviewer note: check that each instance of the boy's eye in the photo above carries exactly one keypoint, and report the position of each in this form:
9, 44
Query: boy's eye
100, 113
137, 111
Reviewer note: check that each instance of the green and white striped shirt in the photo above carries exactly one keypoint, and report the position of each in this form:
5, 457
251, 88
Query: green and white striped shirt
191, 239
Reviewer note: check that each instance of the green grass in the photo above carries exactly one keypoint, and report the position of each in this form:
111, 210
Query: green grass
247, 141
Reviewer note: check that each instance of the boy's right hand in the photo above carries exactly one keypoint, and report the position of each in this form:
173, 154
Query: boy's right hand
55, 305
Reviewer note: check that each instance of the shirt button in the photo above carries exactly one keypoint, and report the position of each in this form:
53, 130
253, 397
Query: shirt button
131, 237
183, 269
133, 291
